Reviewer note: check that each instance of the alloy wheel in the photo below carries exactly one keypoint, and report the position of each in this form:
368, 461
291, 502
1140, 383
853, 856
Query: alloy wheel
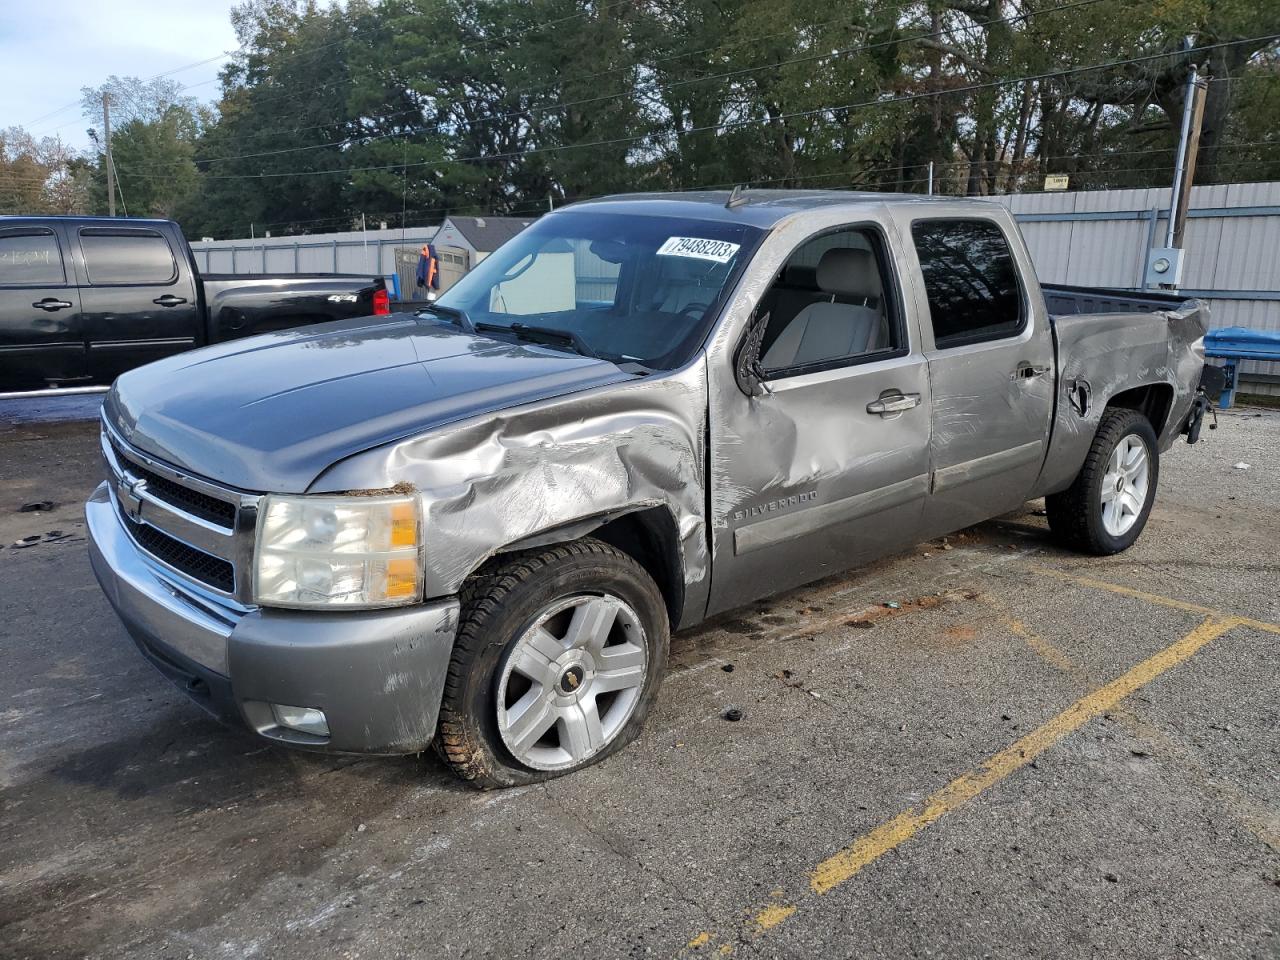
1125, 486
572, 681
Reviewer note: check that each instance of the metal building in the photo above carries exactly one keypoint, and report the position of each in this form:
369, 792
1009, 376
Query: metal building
1100, 238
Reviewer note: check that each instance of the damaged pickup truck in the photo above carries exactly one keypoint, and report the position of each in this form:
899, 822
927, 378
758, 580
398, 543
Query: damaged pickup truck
475, 527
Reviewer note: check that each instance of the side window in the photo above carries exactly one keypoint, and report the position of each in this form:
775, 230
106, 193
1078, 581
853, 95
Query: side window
829, 305
970, 279
30, 257
127, 256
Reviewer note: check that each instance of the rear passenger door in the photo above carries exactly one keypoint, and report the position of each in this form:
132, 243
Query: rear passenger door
138, 305
991, 367
41, 339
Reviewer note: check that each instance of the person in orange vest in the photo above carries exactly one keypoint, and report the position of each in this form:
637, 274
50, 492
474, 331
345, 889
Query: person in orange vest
428, 275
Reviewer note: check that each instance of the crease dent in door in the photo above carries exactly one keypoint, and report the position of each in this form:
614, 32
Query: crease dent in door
982, 467
765, 533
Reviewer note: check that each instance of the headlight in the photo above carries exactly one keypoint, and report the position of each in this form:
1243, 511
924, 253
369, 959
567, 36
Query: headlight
337, 551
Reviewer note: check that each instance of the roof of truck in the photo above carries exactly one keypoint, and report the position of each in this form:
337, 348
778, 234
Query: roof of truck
83, 218
760, 208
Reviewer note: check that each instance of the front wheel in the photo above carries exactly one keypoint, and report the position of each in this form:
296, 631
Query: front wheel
1107, 505
558, 658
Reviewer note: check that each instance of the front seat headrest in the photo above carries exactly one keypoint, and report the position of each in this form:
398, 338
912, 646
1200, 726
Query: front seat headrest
849, 272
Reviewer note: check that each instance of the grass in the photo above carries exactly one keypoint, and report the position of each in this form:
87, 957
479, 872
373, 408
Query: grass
1257, 400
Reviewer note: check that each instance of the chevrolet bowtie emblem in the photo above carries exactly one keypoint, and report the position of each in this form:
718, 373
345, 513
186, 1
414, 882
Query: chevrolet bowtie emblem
572, 679
130, 494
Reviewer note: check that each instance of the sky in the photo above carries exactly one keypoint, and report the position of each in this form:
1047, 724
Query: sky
49, 49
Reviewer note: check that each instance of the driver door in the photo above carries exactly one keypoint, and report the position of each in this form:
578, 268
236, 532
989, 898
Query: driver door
830, 466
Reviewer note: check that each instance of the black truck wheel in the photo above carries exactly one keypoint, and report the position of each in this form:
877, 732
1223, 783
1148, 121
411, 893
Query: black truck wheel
1107, 505
558, 658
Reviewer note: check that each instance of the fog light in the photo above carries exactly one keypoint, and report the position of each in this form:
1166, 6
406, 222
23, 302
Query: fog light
303, 719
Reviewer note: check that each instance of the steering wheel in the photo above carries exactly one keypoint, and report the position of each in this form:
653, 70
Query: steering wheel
694, 310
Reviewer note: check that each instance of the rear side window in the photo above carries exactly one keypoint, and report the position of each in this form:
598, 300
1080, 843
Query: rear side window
970, 279
127, 256
29, 257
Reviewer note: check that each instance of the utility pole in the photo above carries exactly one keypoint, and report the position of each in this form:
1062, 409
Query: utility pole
1188, 152
1165, 264
111, 169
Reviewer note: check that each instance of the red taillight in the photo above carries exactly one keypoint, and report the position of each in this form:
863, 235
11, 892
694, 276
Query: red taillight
381, 303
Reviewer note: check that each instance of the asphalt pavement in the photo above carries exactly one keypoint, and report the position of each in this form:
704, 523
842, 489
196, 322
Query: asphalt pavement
985, 747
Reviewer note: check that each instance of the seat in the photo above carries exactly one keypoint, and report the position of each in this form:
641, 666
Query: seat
829, 330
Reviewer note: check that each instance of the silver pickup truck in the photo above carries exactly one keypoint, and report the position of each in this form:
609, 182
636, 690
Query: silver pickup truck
475, 527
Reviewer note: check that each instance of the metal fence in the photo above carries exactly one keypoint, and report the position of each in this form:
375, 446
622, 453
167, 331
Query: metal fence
1091, 238
374, 252
1101, 238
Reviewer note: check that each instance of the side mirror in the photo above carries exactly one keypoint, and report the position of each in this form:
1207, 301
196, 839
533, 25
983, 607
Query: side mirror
746, 364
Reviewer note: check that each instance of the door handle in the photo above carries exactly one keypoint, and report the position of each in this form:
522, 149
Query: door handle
50, 304
892, 403
168, 300
1028, 371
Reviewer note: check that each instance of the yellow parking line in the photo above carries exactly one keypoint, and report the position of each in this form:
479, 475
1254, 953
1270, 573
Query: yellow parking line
1152, 598
771, 916
846, 864
1250, 814
1043, 648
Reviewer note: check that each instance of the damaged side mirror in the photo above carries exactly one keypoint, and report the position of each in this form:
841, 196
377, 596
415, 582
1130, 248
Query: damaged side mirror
746, 363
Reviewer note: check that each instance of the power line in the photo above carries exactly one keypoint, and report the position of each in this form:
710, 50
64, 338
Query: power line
738, 124
226, 54
1003, 165
479, 43
158, 76
445, 126
626, 67
485, 41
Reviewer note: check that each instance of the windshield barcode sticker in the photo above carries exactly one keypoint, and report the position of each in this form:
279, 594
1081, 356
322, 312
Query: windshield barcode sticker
716, 250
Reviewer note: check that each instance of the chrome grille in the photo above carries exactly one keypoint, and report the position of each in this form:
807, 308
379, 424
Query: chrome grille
197, 564
197, 529
193, 502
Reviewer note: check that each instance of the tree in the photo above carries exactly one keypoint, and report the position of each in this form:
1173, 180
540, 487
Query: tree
40, 176
279, 155
434, 107
154, 129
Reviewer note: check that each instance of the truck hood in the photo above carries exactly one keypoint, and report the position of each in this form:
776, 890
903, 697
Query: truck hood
270, 413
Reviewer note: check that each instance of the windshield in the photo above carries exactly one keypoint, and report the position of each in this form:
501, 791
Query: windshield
615, 286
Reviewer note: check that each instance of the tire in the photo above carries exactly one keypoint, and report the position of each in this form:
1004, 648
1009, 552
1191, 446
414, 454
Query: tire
506, 674
1079, 516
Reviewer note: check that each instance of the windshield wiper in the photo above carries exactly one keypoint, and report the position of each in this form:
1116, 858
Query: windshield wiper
537, 334
453, 313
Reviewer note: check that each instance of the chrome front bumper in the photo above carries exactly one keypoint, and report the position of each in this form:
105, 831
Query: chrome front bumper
377, 675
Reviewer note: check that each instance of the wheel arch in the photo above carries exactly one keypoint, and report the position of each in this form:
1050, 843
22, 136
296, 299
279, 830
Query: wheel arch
647, 534
1153, 400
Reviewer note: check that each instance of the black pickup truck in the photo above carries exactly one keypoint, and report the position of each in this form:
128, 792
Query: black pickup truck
82, 299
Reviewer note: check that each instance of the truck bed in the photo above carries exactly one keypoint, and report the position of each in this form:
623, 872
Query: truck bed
242, 277
1063, 300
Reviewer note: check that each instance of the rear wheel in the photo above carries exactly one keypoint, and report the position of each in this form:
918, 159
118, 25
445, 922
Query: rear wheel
1106, 507
558, 658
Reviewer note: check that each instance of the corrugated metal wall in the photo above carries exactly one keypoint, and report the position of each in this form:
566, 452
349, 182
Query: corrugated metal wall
1090, 238
370, 252
1101, 238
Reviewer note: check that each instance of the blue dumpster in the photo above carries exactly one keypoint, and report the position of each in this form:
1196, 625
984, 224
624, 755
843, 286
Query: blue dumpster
1234, 344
